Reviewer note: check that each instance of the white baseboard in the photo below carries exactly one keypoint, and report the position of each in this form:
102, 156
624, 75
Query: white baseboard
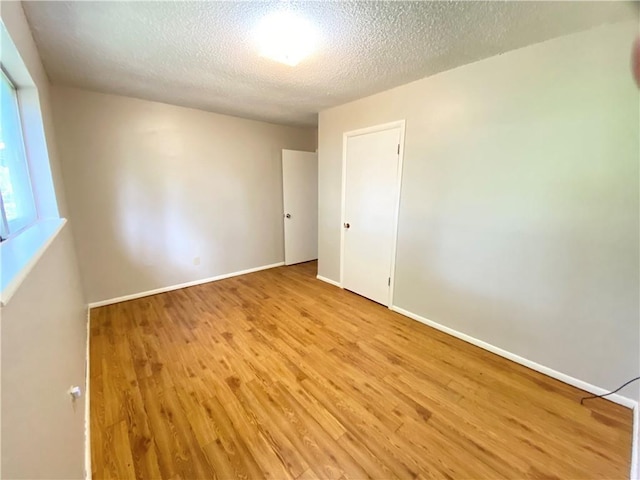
87, 411
329, 281
627, 402
133, 296
635, 445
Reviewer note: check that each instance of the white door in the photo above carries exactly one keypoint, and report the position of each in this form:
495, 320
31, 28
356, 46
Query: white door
372, 165
300, 196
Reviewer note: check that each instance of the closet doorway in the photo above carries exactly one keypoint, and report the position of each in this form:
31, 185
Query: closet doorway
371, 177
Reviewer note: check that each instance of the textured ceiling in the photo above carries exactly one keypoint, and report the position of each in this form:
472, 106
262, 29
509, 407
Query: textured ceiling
203, 55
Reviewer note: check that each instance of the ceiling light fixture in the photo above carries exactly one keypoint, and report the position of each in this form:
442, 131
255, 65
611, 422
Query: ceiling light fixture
286, 37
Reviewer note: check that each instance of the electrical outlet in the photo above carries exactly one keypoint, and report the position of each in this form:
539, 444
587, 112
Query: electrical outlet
196, 260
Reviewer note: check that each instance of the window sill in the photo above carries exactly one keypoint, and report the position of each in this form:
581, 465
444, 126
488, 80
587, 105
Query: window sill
21, 253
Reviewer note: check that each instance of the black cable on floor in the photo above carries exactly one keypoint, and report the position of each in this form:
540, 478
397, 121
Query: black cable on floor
610, 393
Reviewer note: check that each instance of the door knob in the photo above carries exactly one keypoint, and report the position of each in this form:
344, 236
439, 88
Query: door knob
288, 215
346, 225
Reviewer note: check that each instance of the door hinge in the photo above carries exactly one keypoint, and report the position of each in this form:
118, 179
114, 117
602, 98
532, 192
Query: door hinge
398, 149
389, 282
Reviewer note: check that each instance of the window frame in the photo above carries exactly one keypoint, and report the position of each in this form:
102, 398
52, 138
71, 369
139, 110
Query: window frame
23, 248
5, 231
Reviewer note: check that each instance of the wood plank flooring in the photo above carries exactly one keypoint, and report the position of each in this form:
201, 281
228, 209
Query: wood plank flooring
278, 375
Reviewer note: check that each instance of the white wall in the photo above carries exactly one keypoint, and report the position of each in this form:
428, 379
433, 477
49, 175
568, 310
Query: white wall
43, 331
519, 208
152, 186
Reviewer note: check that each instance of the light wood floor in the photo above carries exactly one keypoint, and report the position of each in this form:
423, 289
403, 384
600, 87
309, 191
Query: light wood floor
278, 375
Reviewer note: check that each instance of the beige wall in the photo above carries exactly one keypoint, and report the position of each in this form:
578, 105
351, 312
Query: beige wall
152, 186
519, 208
635, 467
43, 331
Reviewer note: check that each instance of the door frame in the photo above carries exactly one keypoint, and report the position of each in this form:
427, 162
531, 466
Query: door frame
345, 137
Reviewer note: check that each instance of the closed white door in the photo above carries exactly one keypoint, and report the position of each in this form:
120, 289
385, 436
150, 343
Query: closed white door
370, 205
300, 196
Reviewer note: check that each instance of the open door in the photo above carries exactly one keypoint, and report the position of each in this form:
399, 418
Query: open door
300, 198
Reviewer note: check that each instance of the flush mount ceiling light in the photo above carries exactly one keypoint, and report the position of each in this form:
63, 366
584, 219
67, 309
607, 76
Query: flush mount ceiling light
285, 37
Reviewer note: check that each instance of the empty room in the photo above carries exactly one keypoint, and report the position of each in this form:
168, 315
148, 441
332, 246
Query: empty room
319, 240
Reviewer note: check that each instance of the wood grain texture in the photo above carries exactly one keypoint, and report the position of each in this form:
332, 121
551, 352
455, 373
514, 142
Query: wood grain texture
277, 375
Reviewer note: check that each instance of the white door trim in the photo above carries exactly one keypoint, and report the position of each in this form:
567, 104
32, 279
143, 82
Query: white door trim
363, 131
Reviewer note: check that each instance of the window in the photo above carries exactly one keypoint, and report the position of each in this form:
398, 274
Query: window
17, 205
29, 216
